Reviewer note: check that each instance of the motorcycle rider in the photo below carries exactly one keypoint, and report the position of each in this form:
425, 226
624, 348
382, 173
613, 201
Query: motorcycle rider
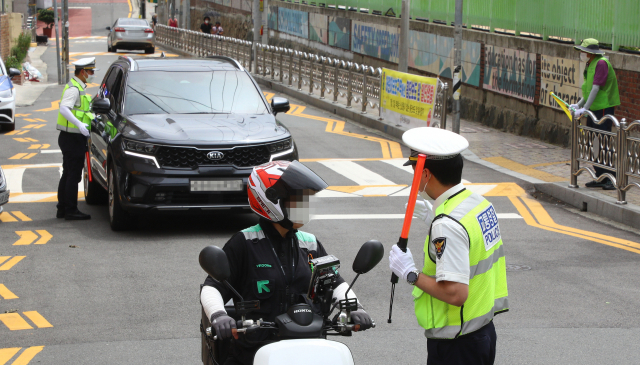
269, 261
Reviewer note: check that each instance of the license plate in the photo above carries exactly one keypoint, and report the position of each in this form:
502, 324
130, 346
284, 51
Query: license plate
198, 186
4, 197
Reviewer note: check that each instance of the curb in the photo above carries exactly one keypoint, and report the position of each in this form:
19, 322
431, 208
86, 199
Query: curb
593, 202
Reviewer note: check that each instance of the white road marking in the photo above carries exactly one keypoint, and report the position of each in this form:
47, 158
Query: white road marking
357, 173
398, 162
50, 151
478, 189
14, 179
388, 216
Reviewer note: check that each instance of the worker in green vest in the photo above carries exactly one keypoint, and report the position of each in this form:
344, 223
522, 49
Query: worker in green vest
463, 283
74, 122
599, 95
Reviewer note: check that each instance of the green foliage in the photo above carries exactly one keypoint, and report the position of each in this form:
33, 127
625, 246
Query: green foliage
46, 16
12, 62
19, 51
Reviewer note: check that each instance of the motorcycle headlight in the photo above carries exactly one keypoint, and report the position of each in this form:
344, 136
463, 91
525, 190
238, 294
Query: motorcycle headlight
280, 146
139, 147
6, 93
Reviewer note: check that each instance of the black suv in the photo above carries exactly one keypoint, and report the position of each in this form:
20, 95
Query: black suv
180, 134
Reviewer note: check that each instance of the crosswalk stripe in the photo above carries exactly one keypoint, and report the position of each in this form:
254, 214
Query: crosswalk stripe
398, 162
356, 173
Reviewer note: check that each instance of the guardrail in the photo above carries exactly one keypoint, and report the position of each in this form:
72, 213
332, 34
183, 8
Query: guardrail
347, 82
617, 152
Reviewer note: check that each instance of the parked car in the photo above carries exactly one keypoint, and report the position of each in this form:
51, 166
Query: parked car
131, 33
7, 97
180, 134
4, 191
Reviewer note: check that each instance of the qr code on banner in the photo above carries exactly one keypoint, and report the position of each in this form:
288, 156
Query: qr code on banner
488, 221
426, 93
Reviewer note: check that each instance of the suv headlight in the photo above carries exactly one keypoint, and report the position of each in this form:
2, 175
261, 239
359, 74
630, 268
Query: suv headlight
280, 146
6, 93
134, 146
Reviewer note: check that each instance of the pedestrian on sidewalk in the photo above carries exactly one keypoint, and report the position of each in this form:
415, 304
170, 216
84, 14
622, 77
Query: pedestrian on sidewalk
154, 21
173, 22
463, 283
217, 29
205, 27
599, 95
74, 123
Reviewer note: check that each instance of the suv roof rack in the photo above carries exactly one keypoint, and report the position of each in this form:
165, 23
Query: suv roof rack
228, 59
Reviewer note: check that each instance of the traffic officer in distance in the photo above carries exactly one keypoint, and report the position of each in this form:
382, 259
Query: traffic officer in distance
74, 121
463, 282
270, 261
599, 94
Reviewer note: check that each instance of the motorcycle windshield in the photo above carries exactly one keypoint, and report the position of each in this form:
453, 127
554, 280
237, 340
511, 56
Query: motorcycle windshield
298, 177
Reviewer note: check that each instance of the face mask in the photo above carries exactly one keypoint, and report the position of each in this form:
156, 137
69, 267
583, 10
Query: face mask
423, 192
584, 57
206, 22
89, 78
300, 211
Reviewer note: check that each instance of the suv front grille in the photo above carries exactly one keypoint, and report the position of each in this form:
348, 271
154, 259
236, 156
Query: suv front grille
181, 157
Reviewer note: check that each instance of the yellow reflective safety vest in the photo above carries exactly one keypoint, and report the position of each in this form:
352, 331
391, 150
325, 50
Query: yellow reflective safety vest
83, 113
487, 276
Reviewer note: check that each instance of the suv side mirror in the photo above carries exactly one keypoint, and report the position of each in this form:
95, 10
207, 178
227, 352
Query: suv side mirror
108, 28
101, 106
279, 105
214, 262
14, 72
368, 257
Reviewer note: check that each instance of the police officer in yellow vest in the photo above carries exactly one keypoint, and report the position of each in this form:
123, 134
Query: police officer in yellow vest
74, 122
599, 95
463, 282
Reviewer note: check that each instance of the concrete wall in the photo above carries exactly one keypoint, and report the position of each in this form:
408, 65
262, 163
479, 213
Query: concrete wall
10, 29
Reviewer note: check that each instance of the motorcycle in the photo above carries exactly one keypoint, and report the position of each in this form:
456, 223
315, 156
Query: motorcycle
301, 333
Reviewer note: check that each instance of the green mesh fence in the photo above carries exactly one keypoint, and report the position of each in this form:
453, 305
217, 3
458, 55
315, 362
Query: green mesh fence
615, 22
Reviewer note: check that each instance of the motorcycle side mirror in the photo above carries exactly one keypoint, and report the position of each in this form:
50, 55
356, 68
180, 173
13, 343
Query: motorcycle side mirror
214, 262
368, 257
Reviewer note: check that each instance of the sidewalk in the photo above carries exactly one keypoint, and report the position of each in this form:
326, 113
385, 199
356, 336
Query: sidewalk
28, 93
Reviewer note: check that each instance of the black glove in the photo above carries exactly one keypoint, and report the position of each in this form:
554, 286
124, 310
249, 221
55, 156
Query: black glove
222, 324
362, 318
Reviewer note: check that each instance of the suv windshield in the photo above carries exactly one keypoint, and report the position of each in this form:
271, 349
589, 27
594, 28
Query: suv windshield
192, 92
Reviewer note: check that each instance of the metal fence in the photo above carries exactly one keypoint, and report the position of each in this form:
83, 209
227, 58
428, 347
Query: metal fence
610, 21
346, 82
616, 152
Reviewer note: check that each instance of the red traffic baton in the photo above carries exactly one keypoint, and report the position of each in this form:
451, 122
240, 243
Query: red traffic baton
408, 216
89, 160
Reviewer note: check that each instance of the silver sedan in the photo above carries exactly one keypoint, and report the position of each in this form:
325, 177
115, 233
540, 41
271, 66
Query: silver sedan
130, 33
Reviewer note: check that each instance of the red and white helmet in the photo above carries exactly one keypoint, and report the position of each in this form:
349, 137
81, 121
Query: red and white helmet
274, 183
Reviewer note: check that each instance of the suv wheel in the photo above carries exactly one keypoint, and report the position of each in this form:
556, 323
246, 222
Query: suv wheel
94, 193
119, 219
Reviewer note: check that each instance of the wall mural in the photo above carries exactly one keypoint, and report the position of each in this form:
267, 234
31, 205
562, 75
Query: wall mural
272, 17
318, 28
339, 32
293, 22
434, 54
511, 72
375, 41
563, 77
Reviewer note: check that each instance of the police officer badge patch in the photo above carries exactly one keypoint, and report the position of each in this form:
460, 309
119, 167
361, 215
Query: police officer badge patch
439, 244
488, 221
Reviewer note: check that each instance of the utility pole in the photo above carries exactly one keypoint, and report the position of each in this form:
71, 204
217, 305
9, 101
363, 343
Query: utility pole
143, 9
55, 22
457, 62
65, 42
403, 51
257, 24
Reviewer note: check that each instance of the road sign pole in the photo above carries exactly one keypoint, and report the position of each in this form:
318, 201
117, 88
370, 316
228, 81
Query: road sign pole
457, 61
65, 35
403, 54
55, 23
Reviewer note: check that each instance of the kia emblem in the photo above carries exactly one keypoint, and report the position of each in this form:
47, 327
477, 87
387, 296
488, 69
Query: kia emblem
215, 155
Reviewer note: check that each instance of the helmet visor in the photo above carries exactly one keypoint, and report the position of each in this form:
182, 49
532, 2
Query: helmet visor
299, 177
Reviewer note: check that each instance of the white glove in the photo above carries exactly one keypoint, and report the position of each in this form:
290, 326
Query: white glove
575, 106
83, 130
423, 210
401, 263
579, 112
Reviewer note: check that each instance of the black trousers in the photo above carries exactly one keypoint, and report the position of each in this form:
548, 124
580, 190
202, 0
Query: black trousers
476, 348
73, 146
606, 126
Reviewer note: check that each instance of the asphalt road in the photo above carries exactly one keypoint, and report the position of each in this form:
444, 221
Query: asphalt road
133, 297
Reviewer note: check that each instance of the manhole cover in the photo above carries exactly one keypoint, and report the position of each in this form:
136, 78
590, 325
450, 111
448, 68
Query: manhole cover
518, 267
